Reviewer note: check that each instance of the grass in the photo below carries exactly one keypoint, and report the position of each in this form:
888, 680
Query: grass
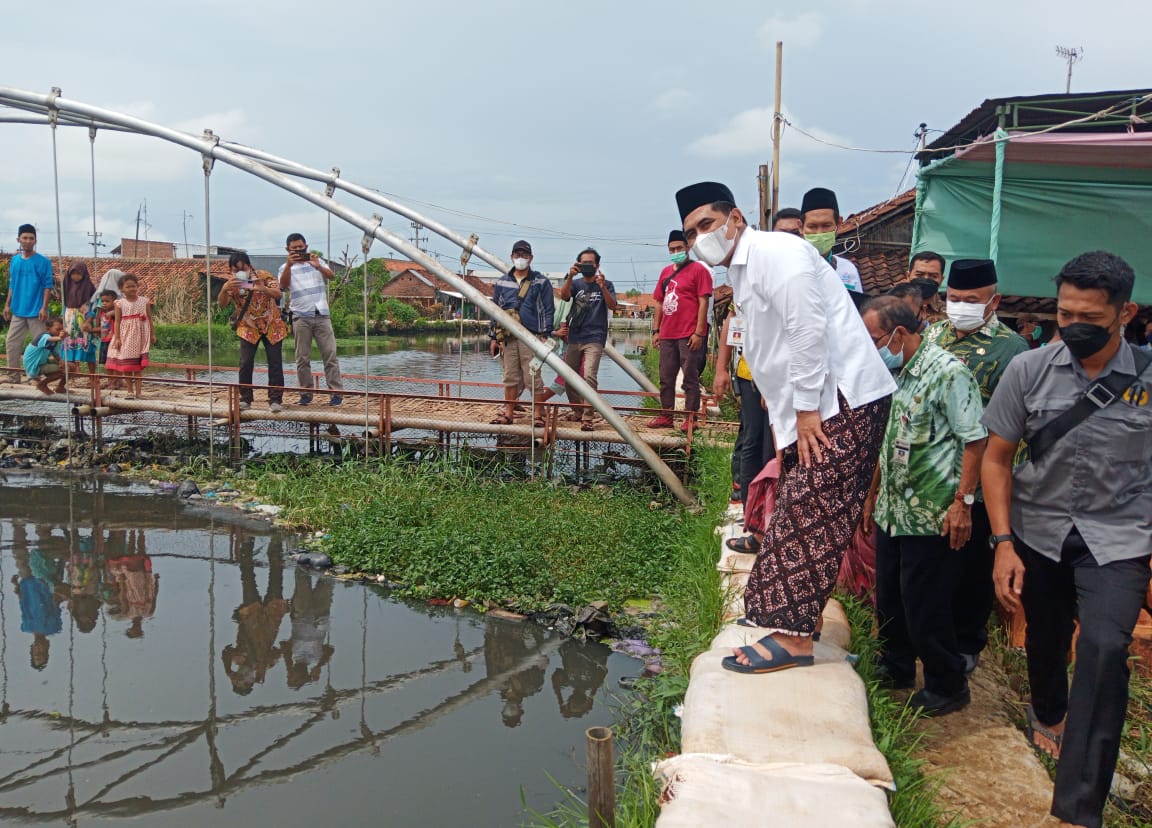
647, 727
914, 802
448, 530
1135, 742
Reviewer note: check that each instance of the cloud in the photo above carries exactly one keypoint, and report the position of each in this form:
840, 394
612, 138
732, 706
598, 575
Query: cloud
803, 31
750, 133
671, 101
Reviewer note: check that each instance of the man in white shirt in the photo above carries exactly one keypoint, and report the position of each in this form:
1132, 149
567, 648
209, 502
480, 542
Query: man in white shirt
827, 393
306, 275
821, 217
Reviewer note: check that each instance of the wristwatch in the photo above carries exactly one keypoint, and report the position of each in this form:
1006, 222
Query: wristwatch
996, 540
967, 499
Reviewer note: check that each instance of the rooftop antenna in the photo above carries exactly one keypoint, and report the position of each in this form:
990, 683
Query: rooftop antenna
1072, 55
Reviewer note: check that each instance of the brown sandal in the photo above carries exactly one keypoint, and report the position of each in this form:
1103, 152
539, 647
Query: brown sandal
587, 425
503, 419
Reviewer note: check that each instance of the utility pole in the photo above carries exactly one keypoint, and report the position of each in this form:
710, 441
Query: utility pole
1071, 55
184, 220
776, 116
96, 244
418, 240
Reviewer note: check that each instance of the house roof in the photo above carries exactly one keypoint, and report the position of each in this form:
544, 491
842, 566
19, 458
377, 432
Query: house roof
857, 221
881, 270
436, 283
152, 273
1033, 112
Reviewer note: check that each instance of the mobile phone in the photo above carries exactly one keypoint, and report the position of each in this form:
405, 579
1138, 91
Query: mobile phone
302, 256
587, 269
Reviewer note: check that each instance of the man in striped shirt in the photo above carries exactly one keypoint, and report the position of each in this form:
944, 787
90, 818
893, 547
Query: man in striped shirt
306, 275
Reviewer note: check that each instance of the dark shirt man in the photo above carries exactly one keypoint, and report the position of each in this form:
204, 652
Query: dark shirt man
974, 334
592, 297
1073, 525
527, 295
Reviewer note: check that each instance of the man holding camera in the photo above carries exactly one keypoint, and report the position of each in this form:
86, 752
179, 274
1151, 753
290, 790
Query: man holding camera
592, 297
306, 275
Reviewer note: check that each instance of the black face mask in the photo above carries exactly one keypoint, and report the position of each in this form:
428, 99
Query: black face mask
1084, 339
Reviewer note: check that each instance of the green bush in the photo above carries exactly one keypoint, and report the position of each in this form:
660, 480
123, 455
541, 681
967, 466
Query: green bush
399, 314
193, 339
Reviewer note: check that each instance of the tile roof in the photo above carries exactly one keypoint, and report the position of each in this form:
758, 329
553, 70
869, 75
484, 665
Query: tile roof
152, 273
881, 270
883, 209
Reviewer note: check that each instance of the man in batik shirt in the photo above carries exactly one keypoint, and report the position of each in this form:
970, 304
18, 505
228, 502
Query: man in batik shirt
924, 490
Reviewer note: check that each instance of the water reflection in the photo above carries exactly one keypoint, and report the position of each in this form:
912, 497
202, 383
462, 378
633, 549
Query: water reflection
134, 702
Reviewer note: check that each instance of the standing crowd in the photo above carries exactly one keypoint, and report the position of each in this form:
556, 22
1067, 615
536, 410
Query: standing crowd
112, 324
986, 466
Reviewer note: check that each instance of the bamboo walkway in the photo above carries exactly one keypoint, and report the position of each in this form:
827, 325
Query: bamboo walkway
375, 414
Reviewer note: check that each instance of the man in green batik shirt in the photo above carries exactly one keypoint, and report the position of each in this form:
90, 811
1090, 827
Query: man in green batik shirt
972, 333
921, 502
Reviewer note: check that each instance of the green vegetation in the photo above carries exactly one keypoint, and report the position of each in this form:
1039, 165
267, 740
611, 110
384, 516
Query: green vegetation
1135, 741
452, 531
914, 803
647, 728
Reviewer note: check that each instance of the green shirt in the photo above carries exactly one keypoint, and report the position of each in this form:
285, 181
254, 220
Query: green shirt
936, 410
986, 351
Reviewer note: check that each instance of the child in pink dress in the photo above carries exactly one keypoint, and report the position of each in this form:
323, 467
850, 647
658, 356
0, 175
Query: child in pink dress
132, 334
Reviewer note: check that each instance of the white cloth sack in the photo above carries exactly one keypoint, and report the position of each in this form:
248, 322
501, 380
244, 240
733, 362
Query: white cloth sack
702, 790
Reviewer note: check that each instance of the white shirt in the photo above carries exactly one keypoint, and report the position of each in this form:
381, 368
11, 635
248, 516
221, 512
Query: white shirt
308, 290
804, 339
848, 274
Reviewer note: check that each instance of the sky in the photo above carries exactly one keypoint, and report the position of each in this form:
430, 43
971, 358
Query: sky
567, 124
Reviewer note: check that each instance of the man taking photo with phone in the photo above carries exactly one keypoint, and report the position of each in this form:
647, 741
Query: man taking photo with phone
306, 276
592, 297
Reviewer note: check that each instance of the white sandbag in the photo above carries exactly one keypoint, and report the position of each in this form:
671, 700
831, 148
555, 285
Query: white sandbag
735, 561
808, 715
702, 790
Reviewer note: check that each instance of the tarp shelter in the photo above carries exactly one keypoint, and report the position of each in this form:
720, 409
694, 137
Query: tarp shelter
1032, 202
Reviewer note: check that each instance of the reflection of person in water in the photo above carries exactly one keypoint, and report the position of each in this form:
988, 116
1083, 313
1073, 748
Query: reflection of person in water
40, 594
258, 619
307, 651
85, 573
506, 647
583, 668
136, 587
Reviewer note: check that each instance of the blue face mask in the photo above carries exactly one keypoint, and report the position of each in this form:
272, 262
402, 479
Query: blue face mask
894, 361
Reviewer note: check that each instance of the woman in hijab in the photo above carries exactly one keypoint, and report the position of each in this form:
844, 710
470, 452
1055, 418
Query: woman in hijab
81, 339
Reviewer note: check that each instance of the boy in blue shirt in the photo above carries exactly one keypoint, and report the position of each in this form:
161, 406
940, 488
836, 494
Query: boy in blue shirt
42, 361
29, 284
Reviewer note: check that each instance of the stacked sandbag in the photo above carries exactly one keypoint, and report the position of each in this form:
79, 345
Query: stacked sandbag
703, 790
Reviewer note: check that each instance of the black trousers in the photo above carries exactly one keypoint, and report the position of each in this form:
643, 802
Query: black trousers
915, 581
275, 369
756, 447
974, 596
1106, 600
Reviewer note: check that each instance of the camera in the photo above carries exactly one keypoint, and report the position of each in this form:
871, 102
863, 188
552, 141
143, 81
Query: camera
587, 269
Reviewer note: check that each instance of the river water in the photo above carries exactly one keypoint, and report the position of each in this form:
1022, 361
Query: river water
164, 666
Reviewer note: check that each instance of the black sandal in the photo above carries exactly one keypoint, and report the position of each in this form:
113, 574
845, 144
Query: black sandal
745, 544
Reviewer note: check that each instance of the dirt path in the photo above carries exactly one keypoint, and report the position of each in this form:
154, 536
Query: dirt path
990, 774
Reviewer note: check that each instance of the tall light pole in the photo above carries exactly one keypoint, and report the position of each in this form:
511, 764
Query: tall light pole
1072, 55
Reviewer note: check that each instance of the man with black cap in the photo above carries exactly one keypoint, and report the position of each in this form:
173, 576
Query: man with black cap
972, 333
679, 328
827, 392
821, 217
526, 294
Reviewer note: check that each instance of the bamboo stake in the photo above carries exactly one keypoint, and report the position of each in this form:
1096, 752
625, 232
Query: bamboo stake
601, 778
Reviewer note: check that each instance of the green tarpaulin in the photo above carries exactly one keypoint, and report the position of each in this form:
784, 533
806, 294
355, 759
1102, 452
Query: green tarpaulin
1059, 197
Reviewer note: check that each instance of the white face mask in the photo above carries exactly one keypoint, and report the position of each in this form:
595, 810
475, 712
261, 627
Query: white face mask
712, 248
241, 275
520, 264
966, 316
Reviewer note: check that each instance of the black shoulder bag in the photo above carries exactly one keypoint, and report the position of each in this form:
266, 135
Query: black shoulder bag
1100, 394
234, 319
